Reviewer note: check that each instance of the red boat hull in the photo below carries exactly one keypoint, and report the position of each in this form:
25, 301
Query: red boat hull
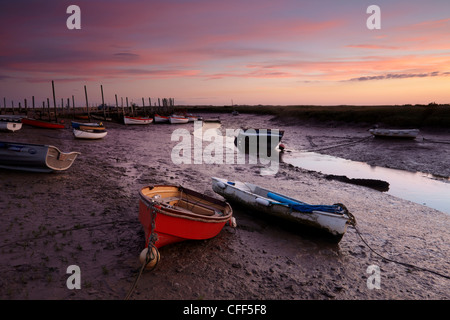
171, 227
43, 124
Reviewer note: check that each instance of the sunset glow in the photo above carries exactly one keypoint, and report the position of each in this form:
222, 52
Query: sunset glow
287, 52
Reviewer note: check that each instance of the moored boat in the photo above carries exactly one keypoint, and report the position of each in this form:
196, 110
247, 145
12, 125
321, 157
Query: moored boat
176, 119
172, 214
43, 124
161, 119
10, 123
34, 157
137, 120
250, 140
395, 133
78, 125
331, 220
90, 133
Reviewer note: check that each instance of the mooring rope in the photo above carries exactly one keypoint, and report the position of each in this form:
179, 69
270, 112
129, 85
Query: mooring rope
398, 262
339, 145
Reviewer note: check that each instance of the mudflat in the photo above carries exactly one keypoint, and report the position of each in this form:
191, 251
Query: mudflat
88, 216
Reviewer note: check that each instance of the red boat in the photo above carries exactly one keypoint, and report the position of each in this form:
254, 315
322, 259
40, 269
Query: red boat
43, 124
172, 214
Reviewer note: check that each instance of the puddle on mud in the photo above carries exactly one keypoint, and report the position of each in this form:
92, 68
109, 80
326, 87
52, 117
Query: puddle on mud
418, 187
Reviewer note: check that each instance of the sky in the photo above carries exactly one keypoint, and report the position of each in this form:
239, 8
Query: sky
209, 52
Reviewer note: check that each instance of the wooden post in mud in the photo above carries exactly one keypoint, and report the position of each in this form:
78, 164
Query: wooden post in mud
103, 103
32, 101
121, 103
54, 100
48, 108
117, 106
4, 103
73, 106
26, 107
87, 103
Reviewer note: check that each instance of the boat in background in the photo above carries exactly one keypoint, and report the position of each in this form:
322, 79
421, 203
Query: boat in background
95, 125
250, 140
89, 133
161, 119
331, 220
34, 157
10, 123
395, 133
174, 213
137, 120
176, 119
42, 123
193, 118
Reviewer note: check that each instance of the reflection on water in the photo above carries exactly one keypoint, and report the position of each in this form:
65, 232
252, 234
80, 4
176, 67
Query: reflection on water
418, 187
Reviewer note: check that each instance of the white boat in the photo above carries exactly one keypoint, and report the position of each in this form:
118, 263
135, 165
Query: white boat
10, 125
161, 119
91, 134
78, 125
250, 140
137, 120
10, 122
174, 119
331, 220
395, 133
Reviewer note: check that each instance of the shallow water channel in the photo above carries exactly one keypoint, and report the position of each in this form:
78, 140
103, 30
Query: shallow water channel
418, 187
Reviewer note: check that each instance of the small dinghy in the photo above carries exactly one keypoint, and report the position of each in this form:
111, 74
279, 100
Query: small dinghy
331, 220
254, 140
137, 120
176, 119
172, 214
34, 157
90, 133
161, 119
395, 133
10, 123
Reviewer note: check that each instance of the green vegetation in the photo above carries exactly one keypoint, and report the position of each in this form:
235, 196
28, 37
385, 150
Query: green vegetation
431, 115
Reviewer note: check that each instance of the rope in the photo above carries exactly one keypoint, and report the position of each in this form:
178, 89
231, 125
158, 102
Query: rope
399, 262
150, 256
435, 141
339, 145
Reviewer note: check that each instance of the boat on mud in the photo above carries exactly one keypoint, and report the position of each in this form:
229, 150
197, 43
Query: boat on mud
176, 119
395, 133
329, 220
10, 123
171, 214
255, 140
34, 157
42, 123
89, 133
137, 120
160, 119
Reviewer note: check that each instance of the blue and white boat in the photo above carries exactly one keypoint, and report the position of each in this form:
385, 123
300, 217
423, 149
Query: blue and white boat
330, 219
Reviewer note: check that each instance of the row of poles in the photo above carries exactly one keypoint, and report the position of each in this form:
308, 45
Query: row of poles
164, 103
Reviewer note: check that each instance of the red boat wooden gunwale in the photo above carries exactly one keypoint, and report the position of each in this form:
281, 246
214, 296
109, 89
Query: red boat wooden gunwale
177, 214
43, 124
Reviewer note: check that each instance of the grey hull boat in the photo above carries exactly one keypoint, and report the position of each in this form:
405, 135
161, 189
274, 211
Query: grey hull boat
34, 157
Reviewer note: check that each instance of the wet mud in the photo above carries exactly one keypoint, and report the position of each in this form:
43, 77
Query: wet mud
88, 216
